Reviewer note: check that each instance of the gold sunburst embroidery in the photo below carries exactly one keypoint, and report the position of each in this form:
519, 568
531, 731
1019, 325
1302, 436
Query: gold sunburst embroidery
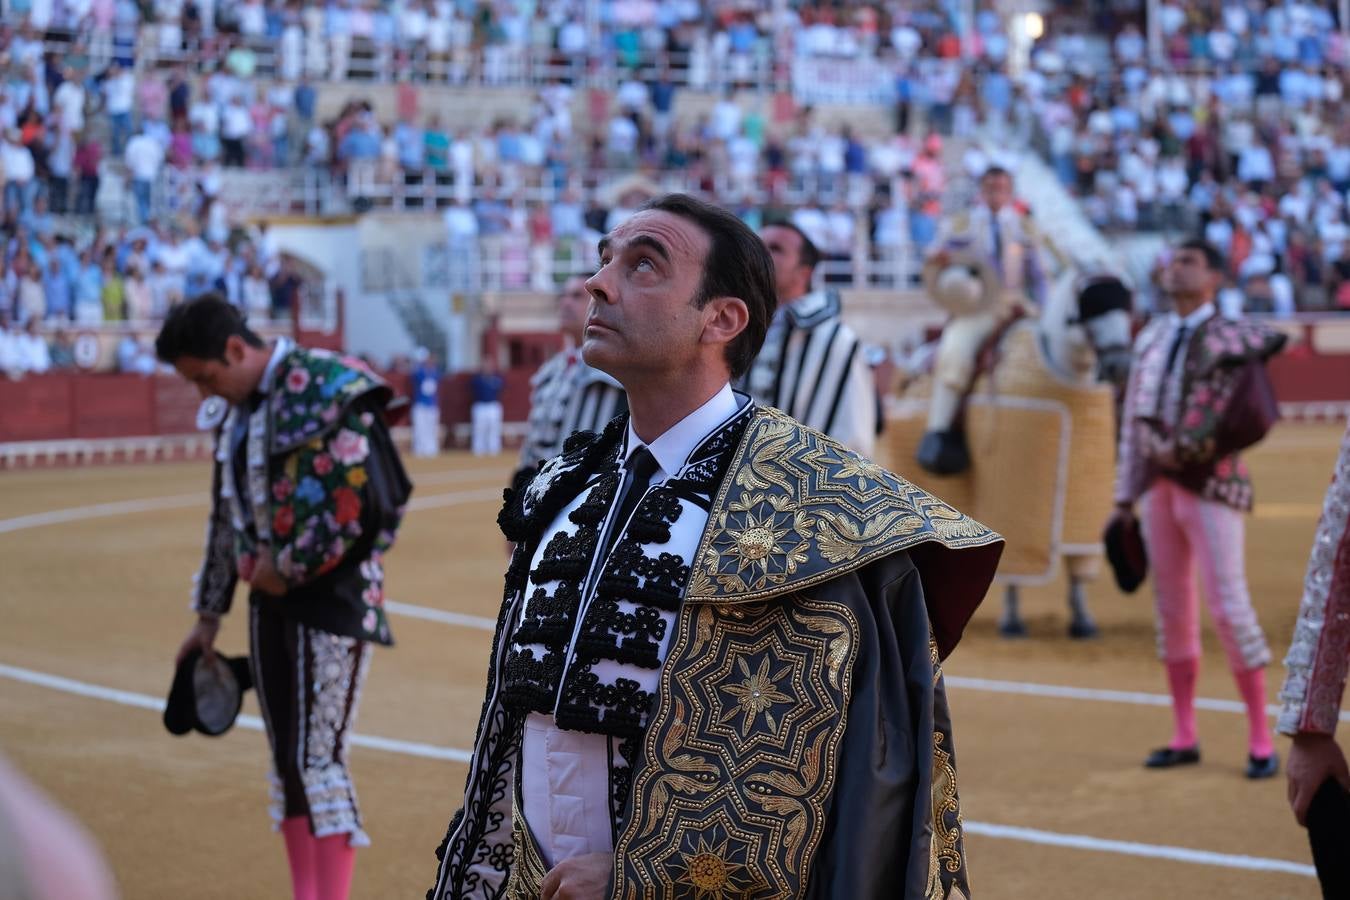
757, 540
756, 694
712, 872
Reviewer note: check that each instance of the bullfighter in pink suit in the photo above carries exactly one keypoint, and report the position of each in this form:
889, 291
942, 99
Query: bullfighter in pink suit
1188, 371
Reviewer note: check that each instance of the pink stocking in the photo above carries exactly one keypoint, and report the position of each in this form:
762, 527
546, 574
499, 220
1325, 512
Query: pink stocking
1181, 677
301, 853
1252, 684
337, 859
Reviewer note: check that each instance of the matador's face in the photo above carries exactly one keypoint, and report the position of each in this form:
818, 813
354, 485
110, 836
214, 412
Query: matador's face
642, 320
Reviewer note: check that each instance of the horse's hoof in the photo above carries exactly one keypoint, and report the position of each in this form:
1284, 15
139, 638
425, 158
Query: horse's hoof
1083, 630
944, 453
1012, 628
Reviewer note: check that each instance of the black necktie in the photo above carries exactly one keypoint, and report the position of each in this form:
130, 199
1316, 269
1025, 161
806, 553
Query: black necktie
1177, 344
641, 467
998, 242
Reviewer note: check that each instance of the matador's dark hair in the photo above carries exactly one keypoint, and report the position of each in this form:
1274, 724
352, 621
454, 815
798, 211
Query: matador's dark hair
200, 327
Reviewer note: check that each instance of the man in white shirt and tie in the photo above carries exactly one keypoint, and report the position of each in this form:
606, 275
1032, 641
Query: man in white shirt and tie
701, 625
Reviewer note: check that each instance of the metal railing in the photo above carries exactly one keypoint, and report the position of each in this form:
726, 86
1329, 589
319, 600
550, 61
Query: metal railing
361, 59
507, 261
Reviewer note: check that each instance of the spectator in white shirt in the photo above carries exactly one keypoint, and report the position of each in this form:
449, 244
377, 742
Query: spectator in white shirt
9, 347
622, 142
726, 119
119, 97
257, 295
1255, 166
235, 126
30, 350
144, 159
1129, 44
1172, 184
20, 182
68, 103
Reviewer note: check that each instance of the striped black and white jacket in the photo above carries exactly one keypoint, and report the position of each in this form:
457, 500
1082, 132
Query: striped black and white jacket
567, 396
813, 368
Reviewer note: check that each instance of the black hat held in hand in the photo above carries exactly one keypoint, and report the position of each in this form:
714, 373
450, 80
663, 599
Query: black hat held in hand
206, 694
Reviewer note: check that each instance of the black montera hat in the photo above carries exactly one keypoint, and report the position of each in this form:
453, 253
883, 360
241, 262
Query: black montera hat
1126, 552
207, 693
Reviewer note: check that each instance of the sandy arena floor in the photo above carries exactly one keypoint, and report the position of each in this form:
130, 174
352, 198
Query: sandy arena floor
95, 566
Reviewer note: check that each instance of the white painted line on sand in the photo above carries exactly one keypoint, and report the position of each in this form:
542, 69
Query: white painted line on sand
435, 501
452, 754
988, 685
1098, 695
181, 501
481, 623
451, 476
98, 511
1131, 848
253, 723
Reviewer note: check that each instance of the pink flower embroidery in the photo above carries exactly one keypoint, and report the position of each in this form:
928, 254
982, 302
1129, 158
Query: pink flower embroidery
323, 464
247, 563
1192, 419
297, 380
373, 595
369, 621
371, 569
282, 488
1224, 469
349, 447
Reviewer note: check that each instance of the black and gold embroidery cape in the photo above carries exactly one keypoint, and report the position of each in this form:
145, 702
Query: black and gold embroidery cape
800, 743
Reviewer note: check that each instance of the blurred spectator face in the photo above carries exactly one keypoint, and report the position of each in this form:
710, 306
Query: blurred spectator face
790, 276
572, 302
996, 190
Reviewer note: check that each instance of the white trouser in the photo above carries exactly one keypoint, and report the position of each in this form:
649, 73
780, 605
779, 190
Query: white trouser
487, 428
426, 430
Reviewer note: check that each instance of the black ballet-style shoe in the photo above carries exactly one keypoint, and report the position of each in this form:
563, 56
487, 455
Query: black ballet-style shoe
1263, 766
1167, 757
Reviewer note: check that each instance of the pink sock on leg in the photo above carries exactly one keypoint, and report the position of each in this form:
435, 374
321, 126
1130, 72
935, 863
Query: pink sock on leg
1252, 684
1181, 678
302, 855
337, 860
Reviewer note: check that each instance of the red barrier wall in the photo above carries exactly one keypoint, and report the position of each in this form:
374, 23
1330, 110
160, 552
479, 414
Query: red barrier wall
1302, 376
61, 406
37, 408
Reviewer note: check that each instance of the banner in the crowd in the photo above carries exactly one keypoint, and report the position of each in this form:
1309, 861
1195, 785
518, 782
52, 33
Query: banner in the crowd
858, 82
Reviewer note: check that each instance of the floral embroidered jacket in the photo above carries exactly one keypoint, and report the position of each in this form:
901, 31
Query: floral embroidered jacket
312, 473
1316, 665
823, 591
1158, 440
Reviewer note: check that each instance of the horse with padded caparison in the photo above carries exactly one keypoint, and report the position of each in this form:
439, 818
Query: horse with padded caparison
1021, 430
